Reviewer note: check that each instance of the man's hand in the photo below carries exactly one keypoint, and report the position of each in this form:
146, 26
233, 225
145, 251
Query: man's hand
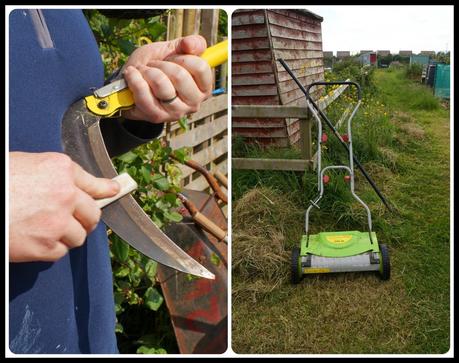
161, 71
51, 205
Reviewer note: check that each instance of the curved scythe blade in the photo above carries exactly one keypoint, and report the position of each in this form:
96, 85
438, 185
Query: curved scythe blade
82, 141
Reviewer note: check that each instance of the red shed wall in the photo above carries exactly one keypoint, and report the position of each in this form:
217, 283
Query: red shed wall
297, 38
259, 38
252, 80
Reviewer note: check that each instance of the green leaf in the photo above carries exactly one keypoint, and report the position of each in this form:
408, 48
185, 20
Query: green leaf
148, 350
183, 122
160, 182
135, 275
170, 198
120, 249
128, 157
118, 309
134, 299
191, 277
159, 223
113, 22
119, 328
160, 204
155, 30
173, 216
181, 154
145, 170
153, 299
122, 271
123, 23
123, 285
214, 259
132, 171
154, 19
106, 30
150, 269
119, 297
126, 46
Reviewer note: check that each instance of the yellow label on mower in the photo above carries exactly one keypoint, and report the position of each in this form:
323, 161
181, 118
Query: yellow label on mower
315, 270
339, 238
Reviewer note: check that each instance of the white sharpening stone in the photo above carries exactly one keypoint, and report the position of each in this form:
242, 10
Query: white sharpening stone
127, 185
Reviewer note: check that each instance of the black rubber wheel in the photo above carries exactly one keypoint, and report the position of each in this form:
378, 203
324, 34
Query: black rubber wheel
294, 266
384, 270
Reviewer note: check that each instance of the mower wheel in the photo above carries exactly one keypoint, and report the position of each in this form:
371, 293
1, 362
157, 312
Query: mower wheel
384, 270
294, 265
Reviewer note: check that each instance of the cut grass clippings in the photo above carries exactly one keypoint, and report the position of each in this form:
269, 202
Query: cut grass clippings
353, 312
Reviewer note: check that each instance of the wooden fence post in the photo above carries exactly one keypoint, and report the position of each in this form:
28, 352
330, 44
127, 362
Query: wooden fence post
191, 21
175, 24
209, 25
306, 137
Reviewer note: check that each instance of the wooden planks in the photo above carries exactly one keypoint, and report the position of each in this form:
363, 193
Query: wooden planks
259, 38
270, 164
200, 134
269, 111
207, 135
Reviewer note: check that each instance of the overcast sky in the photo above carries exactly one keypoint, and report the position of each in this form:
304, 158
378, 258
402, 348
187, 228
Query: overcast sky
393, 28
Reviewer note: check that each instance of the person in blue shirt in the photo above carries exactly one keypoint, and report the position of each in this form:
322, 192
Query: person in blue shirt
60, 278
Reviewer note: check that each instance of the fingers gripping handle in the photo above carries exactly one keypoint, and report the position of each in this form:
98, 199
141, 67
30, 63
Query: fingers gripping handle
127, 185
119, 97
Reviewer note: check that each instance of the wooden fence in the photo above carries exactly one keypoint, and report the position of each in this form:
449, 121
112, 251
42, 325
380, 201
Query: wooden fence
302, 113
207, 136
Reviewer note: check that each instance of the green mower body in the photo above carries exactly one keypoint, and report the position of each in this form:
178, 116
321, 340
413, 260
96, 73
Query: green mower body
343, 251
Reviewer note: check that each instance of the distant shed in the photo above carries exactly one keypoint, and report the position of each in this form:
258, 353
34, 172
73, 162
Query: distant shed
368, 59
430, 53
343, 54
259, 38
419, 59
405, 53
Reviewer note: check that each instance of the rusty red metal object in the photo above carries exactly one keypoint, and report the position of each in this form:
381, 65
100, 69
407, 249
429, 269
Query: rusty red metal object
198, 307
219, 193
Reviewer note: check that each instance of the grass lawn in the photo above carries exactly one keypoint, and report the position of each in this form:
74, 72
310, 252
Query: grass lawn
353, 312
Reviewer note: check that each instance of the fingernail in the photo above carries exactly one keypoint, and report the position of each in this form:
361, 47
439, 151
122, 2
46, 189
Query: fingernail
115, 186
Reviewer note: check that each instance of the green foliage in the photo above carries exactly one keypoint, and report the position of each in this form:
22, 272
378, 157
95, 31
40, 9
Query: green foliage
222, 24
118, 38
384, 61
442, 57
351, 69
158, 178
414, 71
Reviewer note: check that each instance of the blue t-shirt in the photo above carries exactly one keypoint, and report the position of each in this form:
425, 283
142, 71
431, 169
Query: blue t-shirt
66, 306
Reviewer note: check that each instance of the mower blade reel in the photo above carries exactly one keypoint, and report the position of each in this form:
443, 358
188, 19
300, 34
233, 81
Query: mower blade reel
82, 140
198, 307
364, 262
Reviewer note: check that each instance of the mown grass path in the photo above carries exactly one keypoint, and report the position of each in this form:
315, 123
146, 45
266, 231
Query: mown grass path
356, 312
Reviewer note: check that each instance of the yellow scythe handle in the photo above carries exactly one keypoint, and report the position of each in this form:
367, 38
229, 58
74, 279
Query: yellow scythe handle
123, 99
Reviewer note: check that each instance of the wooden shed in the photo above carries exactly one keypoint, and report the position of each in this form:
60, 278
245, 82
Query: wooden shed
259, 38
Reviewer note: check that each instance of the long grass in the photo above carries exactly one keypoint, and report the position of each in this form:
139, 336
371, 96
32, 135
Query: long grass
403, 143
